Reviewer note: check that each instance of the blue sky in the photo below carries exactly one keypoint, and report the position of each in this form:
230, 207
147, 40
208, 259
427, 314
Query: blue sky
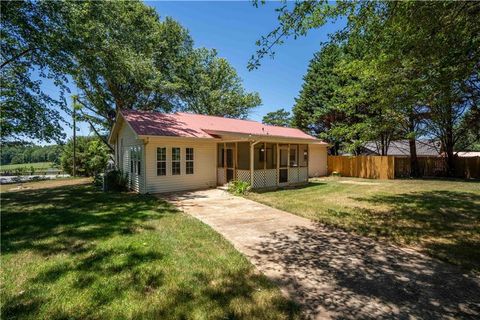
232, 28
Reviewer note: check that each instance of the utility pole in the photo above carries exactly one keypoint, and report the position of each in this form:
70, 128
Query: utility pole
74, 98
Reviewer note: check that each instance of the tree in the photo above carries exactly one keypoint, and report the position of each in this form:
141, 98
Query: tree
470, 126
339, 105
120, 55
27, 47
209, 85
91, 158
422, 59
318, 108
280, 118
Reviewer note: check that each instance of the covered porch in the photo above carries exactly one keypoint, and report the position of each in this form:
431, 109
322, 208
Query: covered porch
263, 164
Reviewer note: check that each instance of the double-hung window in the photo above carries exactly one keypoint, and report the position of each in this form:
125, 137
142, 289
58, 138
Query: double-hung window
176, 161
161, 161
131, 160
189, 160
135, 160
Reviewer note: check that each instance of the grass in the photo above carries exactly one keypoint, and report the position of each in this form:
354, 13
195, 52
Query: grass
36, 166
438, 217
72, 252
45, 184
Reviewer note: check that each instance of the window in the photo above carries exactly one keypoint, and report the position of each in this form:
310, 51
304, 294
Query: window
293, 155
161, 161
120, 151
135, 160
176, 161
131, 160
189, 160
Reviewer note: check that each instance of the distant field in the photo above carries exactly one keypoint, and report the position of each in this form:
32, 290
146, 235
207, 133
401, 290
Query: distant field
36, 166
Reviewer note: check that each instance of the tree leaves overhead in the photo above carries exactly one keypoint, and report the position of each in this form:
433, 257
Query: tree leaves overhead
280, 118
405, 69
120, 55
27, 48
209, 85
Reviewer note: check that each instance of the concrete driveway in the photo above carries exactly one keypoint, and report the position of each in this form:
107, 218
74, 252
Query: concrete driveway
334, 274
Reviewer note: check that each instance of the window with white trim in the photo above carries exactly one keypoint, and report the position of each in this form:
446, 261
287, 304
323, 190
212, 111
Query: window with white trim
176, 161
135, 160
131, 160
189, 160
161, 161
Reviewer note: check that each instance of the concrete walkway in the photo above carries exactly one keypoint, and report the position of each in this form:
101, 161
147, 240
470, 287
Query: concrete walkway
334, 274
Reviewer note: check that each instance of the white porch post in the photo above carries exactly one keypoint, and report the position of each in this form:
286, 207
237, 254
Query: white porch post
278, 164
252, 144
235, 162
251, 164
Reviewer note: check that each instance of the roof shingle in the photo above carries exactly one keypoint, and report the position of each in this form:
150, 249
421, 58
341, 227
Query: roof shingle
190, 125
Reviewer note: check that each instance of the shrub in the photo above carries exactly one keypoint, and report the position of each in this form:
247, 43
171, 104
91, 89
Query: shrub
98, 180
238, 187
115, 180
92, 156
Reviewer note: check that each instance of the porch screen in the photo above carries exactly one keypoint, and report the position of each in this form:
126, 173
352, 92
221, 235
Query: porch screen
271, 155
220, 155
303, 155
259, 156
243, 156
294, 155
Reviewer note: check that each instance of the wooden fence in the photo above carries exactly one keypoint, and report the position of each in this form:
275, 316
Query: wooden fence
389, 167
370, 167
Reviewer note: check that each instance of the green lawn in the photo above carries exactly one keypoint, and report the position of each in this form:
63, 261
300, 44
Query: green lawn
72, 252
29, 168
438, 217
36, 166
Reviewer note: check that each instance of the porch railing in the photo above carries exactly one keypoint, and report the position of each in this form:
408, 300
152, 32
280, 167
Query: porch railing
265, 178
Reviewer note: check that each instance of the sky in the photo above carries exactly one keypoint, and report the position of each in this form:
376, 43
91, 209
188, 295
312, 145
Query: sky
232, 29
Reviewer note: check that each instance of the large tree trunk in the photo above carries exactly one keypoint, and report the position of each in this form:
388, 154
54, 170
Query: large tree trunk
414, 167
450, 156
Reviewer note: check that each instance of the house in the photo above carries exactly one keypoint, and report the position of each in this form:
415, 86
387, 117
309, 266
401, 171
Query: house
401, 148
182, 151
467, 154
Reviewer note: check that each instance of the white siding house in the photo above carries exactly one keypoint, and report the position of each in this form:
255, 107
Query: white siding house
175, 152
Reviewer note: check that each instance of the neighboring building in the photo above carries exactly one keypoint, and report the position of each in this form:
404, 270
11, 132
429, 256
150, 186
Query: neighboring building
401, 148
182, 151
465, 154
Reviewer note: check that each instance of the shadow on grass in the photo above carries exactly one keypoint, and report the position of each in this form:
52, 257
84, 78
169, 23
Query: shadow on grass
358, 278
308, 185
71, 229
68, 219
448, 220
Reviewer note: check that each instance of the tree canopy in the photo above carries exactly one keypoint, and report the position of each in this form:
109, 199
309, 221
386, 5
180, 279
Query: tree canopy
120, 55
280, 118
91, 157
398, 69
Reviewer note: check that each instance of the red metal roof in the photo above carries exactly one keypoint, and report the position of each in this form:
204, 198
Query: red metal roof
190, 125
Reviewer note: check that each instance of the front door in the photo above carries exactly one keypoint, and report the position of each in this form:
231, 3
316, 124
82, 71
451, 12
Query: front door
283, 169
